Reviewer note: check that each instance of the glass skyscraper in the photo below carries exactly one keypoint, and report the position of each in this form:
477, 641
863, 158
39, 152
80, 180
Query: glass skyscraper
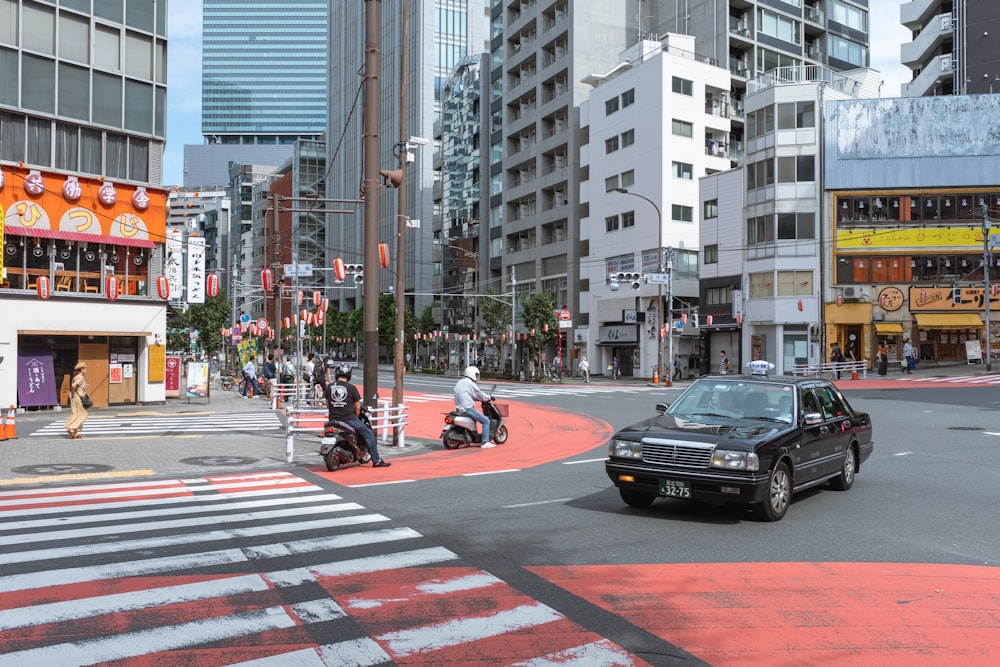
264, 70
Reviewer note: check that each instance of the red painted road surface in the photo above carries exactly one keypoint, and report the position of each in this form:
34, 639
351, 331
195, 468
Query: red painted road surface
538, 435
775, 614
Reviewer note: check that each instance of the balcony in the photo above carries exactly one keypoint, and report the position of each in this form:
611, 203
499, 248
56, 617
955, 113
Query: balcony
928, 41
934, 75
915, 14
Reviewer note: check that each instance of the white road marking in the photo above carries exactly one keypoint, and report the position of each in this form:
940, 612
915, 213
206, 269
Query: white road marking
490, 472
539, 502
602, 653
573, 463
463, 630
394, 561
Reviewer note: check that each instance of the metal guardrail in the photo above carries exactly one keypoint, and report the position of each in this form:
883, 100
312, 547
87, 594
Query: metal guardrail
831, 368
309, 414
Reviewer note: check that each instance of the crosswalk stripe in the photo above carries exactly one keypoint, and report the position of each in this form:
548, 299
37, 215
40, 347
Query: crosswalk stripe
75, 592
210, 423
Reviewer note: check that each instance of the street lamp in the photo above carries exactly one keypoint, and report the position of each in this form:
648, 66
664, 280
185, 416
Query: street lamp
659, 269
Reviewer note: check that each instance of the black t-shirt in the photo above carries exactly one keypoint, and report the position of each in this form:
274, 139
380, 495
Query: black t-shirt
341, 398
270, 370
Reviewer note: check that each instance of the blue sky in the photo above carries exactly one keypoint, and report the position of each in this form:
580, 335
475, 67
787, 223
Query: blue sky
184, 70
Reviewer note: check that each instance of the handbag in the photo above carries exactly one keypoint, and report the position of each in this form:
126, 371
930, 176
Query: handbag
86, 402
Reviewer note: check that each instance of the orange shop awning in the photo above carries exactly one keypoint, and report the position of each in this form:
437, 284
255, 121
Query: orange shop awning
888, 328
948, 321
849, 313
77, 236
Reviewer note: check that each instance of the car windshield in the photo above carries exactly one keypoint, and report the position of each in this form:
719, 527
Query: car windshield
736, 400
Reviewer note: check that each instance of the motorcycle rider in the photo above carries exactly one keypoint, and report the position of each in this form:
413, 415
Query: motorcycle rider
467, 392
343, 401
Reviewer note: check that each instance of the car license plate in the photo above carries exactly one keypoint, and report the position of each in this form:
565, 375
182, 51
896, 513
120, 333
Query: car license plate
675, 488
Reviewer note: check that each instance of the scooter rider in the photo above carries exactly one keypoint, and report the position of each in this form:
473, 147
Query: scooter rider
343, 401
467, 392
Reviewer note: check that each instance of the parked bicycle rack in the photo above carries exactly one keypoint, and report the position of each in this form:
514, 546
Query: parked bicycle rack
310, 416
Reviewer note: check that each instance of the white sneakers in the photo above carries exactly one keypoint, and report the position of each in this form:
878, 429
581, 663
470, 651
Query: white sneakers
487, 445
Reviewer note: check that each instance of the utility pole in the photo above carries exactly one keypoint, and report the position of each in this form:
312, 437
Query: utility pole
372, 123
399, 352
986, 283
513, 322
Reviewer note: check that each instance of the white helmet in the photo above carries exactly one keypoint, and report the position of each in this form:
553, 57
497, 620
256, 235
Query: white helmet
472, 373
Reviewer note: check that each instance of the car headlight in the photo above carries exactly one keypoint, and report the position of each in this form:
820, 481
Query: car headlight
625, 449
732, 460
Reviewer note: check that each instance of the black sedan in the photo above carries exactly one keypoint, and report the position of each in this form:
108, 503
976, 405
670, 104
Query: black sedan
753, 440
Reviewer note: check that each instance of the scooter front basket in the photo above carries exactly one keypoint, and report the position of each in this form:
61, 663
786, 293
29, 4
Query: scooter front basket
503, 409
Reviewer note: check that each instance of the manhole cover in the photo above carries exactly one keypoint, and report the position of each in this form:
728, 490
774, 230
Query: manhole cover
966, 428
219, 461
62, 469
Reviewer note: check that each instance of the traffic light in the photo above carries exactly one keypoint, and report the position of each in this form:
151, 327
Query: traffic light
627, 277
956, 295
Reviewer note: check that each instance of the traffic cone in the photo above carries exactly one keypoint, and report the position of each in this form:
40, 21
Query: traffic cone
3, 427
9, 427
656, 376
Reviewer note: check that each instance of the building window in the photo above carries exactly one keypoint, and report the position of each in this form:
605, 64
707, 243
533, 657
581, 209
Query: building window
683, 170
628, 98
848, 15
847, 51
682, 213
612, 223
711, 254
717, 296
760, 230
795, 283
611, 106
628, 138
778, 26
796, 226
711, 209
611, 183
620, 263
796, 115
611, 145
682, 86
797, 169
760, 174
628, 219
628, 178
761, 285
682, 128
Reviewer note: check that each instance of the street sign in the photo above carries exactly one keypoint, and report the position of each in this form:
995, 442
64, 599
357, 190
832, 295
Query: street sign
237, 334
657, 278
262, 323
304, 270
245, 319
564, 314
565, 324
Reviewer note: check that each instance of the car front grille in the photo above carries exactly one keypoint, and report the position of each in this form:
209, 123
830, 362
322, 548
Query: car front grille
670, 453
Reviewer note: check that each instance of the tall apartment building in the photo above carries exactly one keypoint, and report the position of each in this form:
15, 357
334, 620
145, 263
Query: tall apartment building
954, 48
83, 96
752, 37
441, 34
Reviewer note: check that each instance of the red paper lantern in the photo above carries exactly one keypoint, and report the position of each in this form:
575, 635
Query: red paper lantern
287, 322
212, 284
739, 318
339, 270
684, 318
111, 288
163, 287
383, 255
708, 321
800, 305
266, 281
301, 299
319, 318
42, 285
840, 300
317, 297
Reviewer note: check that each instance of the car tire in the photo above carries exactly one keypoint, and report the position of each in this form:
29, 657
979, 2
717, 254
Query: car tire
845, 479
635, 498
778, 496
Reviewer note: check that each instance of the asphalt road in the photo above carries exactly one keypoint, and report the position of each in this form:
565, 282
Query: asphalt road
901, 569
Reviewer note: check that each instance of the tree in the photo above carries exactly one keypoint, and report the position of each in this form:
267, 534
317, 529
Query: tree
495, 309
207, 319
426, 322
538, 310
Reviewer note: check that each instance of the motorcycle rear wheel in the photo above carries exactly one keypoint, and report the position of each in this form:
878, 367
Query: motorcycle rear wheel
500, 436
332, 461
452, 441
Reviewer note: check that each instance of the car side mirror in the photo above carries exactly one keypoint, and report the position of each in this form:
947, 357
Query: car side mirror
661, 408
813, 418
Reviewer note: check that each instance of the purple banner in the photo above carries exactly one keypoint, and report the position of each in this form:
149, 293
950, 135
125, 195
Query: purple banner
36, 378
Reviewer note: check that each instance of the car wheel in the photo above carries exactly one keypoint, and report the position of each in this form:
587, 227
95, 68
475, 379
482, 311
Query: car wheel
635, 498
779, 495
332, 461
845, 479
500, 436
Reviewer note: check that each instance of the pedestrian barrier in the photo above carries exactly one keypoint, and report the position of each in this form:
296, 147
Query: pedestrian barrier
830, 369
310, 418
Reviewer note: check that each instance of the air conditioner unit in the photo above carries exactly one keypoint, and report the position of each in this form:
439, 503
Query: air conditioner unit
853, 293
946, 64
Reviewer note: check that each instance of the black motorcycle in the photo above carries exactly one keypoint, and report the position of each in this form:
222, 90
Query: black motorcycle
341, 445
